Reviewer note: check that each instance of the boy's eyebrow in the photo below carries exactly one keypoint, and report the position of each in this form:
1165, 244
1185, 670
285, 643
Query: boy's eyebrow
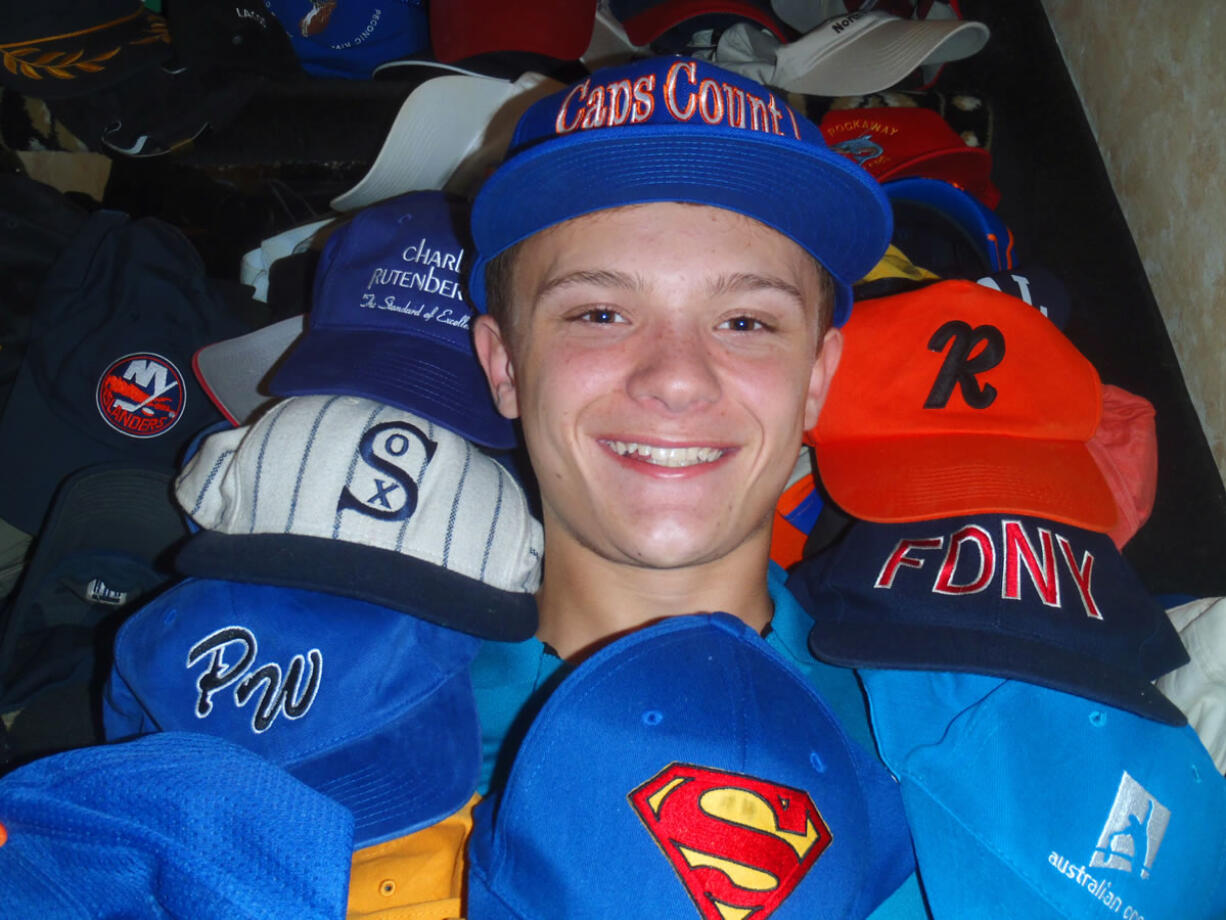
596, 277
724, 284
750, 281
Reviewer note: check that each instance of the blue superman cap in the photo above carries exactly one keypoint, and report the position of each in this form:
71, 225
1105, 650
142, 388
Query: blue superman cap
691, 769
679, 129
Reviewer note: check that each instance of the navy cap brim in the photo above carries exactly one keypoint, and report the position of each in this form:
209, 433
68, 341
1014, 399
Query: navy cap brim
368, 573
778, 182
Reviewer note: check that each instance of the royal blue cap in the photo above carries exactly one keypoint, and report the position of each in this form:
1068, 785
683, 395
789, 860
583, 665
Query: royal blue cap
390, 319
1012, 596
174, 825
369, 706
680, 129
687, 767
351, 38
1028, 802
968, 220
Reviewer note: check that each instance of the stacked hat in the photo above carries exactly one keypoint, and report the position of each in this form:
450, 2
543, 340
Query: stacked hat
451, 129
390, 319
66, 48
695, 133
946, 229
107, 373
557, 29
1013, 596
692, 762
1027, 802
897, 142
851, 53
370, 707
363, 499
351, 39
669, 25
103, 551
1199, 687
173, 825
957, 399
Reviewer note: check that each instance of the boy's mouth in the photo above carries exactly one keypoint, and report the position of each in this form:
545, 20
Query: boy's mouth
666, 456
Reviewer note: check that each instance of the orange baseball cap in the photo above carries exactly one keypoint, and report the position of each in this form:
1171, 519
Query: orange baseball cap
896, 142
957, 399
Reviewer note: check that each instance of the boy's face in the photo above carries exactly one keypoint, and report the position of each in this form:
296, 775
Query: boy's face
665, 363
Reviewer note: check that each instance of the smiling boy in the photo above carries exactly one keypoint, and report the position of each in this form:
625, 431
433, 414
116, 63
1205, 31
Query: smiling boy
663, 261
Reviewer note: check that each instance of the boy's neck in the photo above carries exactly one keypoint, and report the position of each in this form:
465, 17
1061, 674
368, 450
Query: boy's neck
586, 601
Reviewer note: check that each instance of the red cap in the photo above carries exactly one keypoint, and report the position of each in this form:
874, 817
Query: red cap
956, 399
895, 142
1125, 446
560, 29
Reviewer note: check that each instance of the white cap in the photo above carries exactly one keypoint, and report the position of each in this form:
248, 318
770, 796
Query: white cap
448, 132
866, 52
232, 371
357, 498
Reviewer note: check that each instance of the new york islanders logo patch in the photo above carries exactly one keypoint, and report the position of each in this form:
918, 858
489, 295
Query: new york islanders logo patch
142, 395
741, 845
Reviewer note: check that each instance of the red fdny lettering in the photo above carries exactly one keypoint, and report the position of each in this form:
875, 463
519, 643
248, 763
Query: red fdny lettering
987, 562
740, 845
972, 550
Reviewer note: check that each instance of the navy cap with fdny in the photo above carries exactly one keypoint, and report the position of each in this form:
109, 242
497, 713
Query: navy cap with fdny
107, 373
679, 129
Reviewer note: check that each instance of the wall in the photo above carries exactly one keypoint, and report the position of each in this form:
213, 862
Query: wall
1154, 91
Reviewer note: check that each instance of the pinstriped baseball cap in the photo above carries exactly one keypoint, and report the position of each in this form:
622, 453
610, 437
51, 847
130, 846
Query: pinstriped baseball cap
358, 498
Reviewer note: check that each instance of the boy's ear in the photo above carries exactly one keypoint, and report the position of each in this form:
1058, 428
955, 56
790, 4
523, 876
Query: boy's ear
823, 372
495, 358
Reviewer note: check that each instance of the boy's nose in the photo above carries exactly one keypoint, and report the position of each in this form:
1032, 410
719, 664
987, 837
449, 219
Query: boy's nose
674, 368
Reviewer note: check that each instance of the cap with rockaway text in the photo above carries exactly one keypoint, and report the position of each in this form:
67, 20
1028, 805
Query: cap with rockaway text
677, 129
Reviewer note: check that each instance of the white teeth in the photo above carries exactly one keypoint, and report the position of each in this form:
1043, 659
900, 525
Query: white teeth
667, 456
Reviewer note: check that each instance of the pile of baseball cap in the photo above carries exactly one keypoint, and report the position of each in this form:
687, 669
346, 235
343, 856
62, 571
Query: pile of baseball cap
293, 501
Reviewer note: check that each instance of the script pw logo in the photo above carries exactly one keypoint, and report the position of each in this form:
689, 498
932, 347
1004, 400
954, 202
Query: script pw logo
740, 845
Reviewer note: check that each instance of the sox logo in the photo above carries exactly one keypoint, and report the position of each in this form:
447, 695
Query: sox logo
740, 844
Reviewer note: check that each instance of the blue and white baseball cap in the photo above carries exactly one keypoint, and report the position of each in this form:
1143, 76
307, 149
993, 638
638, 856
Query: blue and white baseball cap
178, 824
680, 129
361, 499
689, 770
364, 704
1013, 596
1028, 802
390, 318
351, 39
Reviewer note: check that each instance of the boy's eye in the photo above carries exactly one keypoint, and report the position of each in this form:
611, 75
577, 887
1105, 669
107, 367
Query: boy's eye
743, 324
600, 315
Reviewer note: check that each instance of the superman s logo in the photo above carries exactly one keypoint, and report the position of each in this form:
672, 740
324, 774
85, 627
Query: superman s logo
740, 845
